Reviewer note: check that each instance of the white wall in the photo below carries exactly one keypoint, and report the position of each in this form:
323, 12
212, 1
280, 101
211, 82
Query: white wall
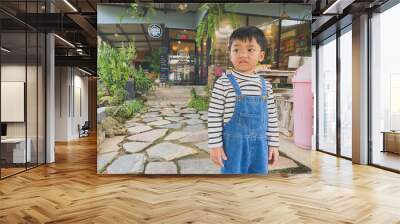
61, 103
69, 85
79, 117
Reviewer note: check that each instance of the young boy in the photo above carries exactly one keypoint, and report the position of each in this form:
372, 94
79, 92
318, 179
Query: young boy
242, 118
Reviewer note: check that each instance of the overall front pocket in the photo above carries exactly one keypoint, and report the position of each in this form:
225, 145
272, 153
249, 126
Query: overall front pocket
251, 122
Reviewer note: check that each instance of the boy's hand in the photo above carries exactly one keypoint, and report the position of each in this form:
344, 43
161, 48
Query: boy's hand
217, 154
273, 155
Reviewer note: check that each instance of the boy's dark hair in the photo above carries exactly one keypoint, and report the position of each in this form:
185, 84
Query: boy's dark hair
247, 33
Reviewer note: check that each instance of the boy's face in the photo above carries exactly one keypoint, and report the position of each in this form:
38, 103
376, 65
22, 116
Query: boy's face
245, 55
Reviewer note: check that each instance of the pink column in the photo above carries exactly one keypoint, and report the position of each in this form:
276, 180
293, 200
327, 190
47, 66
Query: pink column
303, 113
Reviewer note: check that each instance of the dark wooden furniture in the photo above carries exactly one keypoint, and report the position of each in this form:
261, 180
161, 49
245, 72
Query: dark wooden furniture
391, 141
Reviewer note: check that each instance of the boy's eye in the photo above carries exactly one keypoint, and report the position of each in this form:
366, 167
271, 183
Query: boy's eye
251, 50
235, 50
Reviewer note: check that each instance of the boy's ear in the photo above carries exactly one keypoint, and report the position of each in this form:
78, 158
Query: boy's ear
262, 55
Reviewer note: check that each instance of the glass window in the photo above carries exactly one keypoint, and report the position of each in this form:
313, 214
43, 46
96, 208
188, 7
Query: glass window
346, 92
295, 40
181, 62
182, 34
220, 55
31, 96
327, 95
385, 84
14, 153
22, 91
271, 33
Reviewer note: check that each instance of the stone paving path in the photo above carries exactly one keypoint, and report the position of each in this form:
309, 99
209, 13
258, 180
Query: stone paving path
170, 138
174, 142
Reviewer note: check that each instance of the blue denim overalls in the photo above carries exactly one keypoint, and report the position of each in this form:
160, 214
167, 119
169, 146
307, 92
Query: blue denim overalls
244, 136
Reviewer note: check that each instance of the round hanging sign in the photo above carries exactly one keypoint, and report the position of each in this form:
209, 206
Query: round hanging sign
154, 31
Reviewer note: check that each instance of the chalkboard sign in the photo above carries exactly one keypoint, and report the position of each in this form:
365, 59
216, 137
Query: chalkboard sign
163, 66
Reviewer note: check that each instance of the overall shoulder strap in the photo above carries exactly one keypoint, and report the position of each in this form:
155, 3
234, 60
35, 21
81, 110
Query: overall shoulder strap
264, 87
234, 84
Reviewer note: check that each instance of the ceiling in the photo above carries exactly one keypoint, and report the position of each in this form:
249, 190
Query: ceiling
74, 24
80, 27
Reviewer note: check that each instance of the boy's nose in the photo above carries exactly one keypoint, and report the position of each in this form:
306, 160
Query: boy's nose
243, 54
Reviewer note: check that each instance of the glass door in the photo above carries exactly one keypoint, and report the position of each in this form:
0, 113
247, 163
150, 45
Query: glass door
22, 92
14, 153
327, 95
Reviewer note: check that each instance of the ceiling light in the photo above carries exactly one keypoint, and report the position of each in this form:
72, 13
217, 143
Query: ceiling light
5, 50
70, 5
64, 40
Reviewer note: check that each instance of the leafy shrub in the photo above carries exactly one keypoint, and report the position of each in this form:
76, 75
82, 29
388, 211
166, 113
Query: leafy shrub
154, 60
118, 97
142, 83
127, 110
115, 66
197, 102
207, 89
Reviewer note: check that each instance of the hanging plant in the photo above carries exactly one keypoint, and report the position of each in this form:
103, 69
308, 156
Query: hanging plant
209, 24
136, 10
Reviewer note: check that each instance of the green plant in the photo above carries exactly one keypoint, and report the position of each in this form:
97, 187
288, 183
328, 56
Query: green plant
100, 92
110, 111
168, 83
207, 89
142, 83
200, 103
154, 60
193, 93
141, 10
209, 24
115, 66
118, 97
126, 110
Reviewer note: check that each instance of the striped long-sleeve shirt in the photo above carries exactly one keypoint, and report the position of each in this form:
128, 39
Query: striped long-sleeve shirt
222, 105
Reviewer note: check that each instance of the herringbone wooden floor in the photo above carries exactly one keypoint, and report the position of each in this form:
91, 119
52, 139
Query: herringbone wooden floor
70, 191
